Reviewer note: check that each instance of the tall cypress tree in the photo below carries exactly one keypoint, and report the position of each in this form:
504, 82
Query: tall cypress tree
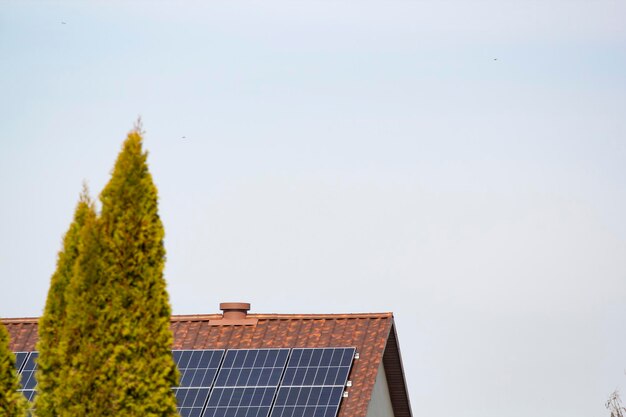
51, 359
12, 403
77, 342
119, 340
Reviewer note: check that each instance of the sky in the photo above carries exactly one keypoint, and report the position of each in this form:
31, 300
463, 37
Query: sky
462, 164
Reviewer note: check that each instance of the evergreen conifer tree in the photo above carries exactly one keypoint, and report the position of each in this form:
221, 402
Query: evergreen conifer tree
118, 335
12, 402
51, 359
77, 344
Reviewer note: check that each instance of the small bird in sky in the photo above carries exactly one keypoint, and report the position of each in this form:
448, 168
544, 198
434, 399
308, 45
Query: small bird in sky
63, 23
184, 137
495, 59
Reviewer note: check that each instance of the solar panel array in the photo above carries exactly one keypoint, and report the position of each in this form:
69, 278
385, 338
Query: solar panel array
299, 382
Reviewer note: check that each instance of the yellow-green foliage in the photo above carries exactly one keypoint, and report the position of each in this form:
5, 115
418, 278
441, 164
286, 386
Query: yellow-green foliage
117, 333
77, 335
12, 403
51, 359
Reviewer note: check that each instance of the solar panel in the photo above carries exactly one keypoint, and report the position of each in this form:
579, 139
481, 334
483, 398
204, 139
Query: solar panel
246, 383
197, 373
313, 383
20, 358
28, 376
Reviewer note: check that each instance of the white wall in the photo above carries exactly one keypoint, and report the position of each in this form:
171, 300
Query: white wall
380, 403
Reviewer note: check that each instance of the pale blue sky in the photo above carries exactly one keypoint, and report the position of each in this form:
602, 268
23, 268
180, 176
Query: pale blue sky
459, 163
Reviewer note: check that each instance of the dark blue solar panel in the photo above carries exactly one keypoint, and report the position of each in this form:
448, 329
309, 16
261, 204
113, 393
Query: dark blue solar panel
28, 376
246, 383
197, 373
190, 401
307, 402
197, 367
20, 358
313, 383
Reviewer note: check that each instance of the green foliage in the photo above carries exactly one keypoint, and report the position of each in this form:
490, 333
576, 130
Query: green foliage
77, 344
51, 360
12, 403
117, 332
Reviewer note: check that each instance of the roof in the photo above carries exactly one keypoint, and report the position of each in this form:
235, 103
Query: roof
372, 334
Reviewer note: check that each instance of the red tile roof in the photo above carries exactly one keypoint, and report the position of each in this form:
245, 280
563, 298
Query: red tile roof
373, 335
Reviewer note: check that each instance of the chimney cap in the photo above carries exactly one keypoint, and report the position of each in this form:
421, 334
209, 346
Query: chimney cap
234, 314
234, 306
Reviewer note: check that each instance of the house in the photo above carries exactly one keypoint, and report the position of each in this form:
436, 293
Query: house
365, 363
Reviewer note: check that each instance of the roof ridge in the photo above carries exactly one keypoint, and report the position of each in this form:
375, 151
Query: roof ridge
10, 320
281, 316
260, 316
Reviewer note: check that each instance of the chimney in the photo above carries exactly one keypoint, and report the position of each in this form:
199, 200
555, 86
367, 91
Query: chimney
234, 311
